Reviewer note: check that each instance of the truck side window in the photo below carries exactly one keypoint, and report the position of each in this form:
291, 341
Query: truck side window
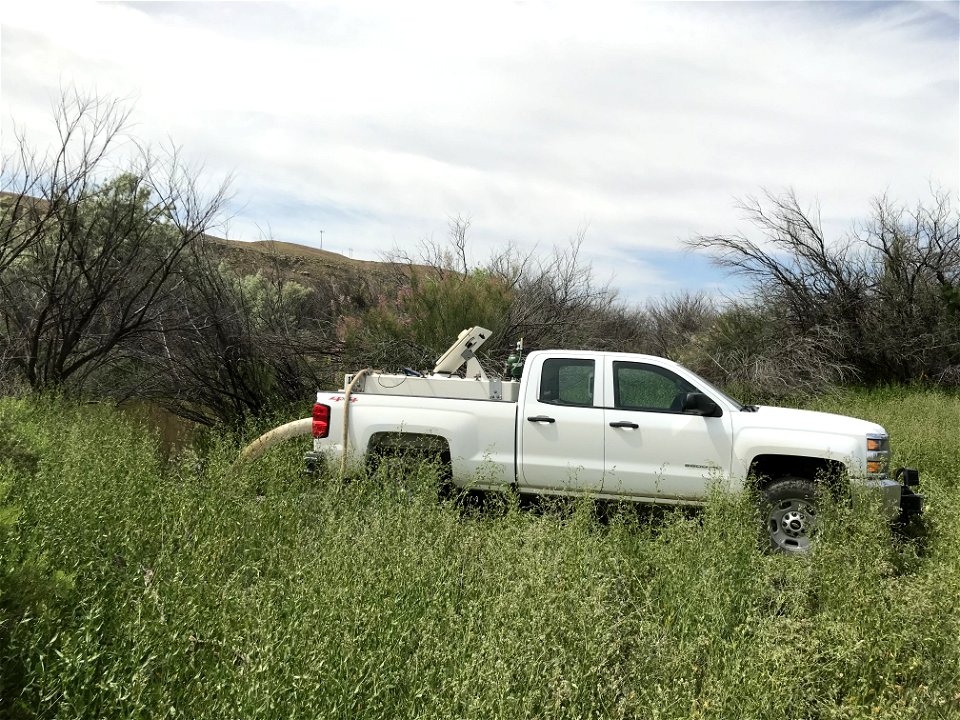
647, 387
567, 381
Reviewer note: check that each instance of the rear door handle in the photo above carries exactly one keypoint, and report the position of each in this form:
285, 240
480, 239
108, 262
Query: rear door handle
541, 418
624, 424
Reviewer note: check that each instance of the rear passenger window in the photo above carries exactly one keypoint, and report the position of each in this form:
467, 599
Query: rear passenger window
567, 381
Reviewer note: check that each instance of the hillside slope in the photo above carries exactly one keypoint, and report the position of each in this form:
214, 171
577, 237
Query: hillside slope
346, 277
357, 281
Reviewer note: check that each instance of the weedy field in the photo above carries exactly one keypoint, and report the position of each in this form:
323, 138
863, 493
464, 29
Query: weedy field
133, 587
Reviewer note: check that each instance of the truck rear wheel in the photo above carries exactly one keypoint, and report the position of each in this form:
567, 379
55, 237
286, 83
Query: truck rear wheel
789, 512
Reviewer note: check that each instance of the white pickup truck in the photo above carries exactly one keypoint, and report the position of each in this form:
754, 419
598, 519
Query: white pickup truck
608, 425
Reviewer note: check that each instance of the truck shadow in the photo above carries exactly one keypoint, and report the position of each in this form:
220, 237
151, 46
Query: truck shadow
484, 504
909, 541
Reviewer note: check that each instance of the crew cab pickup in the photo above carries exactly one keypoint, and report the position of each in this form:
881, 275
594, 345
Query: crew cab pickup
608, 425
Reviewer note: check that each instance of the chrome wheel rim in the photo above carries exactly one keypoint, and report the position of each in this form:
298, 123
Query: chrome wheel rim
792, 524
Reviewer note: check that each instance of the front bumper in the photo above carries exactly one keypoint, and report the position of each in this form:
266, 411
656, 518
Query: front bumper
901, 502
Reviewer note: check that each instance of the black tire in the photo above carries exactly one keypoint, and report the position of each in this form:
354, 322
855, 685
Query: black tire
788, 509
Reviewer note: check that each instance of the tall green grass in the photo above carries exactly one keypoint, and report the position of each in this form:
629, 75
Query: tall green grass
131, 587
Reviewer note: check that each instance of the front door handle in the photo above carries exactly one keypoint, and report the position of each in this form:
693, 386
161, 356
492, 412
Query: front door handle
625, 424
541, 418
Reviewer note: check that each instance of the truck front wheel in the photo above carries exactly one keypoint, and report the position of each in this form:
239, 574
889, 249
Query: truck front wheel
789, 511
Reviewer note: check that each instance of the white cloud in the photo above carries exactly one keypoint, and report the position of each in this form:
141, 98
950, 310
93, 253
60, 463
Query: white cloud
377, 121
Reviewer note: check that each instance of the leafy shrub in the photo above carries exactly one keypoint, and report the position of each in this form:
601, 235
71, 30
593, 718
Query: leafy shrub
749, 351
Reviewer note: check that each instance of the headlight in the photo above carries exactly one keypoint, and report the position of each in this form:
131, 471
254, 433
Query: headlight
878, 454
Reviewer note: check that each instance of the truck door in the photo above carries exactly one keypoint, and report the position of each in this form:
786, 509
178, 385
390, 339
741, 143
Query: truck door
561, 430
652, 448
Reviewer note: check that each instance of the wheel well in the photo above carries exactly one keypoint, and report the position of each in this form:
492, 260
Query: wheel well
414, 445
764, 469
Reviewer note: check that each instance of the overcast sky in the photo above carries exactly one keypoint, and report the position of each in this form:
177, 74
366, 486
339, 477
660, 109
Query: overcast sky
639, 122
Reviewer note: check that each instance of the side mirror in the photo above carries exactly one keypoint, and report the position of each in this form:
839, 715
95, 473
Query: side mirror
699, 404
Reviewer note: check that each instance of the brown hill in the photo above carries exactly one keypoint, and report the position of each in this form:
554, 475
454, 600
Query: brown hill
356, 281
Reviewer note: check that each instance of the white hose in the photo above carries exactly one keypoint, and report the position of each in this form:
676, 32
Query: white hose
266, 441
346, 418
304, 426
